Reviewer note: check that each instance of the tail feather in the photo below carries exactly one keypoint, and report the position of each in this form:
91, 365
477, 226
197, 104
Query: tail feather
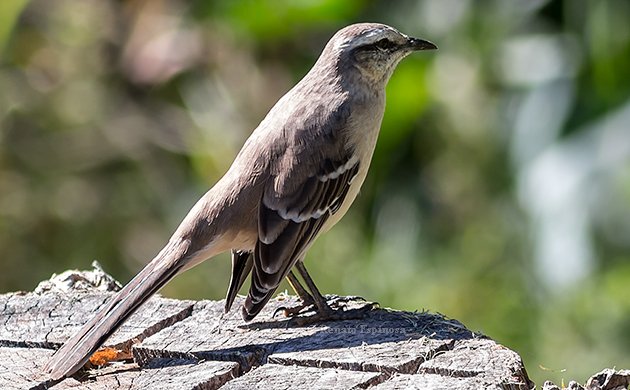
78, 349
242, 263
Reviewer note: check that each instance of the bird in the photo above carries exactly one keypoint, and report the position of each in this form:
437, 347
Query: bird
294, 178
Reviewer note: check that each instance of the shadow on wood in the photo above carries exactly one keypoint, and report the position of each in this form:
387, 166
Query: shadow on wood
185, 344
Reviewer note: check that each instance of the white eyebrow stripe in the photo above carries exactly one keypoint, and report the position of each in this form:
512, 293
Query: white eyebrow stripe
370, 37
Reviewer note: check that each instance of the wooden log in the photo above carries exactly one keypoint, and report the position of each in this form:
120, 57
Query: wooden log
173, 344
607, 379
274, 376
47, 320
21, 368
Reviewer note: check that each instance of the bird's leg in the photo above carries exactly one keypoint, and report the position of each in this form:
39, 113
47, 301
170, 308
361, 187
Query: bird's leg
319, 299
307, 299
299, 289
324, 311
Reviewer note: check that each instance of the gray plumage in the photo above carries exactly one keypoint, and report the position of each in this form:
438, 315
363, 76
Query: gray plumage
294, 178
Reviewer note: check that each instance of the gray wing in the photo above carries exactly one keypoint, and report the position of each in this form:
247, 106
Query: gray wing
289, 221
309, 180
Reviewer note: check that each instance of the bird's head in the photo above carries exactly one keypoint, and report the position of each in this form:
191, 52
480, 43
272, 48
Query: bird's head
372, 48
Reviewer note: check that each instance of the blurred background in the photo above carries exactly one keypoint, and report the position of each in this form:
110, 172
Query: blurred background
499, 193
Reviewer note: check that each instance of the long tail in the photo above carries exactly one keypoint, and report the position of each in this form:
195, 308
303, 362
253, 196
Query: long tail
78, 349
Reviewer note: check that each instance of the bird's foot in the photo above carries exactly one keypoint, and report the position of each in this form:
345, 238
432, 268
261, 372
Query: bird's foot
294, 311
336, 301
334, 308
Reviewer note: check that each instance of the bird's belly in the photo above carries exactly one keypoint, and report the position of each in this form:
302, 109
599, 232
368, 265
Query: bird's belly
365, 142
353, 191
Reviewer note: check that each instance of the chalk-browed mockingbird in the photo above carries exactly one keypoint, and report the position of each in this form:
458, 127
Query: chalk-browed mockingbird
295, 177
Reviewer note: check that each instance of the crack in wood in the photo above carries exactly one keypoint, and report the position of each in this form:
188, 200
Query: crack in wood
184, 344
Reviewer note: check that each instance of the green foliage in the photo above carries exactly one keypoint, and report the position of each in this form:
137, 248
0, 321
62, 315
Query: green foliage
499, 192
9, 13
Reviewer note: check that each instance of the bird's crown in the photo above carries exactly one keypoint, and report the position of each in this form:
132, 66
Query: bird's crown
367, 35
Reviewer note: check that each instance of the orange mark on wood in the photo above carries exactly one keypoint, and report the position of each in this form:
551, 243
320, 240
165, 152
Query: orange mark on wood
105, 355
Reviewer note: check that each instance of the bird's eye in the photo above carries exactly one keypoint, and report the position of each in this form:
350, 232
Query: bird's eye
378, 46
384, 44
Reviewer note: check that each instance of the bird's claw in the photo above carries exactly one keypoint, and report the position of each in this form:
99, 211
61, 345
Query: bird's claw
336, 309
337, 314
291, 312
335, 300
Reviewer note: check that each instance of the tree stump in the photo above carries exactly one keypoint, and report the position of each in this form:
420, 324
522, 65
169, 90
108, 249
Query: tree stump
180, 344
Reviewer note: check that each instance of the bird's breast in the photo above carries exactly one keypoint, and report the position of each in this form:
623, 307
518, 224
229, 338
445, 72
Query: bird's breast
364, 126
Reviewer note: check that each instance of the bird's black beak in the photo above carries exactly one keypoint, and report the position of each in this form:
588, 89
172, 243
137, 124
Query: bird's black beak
420, 44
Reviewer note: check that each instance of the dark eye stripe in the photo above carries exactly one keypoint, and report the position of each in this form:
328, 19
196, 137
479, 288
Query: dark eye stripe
383, 44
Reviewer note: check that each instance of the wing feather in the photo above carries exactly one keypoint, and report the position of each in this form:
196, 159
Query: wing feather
289, 224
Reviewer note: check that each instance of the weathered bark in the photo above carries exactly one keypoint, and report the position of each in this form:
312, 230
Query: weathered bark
173, 344
607, 379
